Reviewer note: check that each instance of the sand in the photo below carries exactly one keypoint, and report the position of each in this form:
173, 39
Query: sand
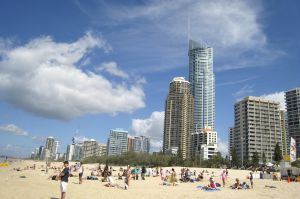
36, 185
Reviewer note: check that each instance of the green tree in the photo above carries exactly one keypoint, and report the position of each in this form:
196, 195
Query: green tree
277, 154
264, 159
255, 160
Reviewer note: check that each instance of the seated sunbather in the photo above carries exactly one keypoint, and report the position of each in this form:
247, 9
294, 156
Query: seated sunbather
237, 184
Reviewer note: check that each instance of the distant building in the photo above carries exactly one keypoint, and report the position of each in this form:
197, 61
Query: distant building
284, 133
50, 146
141, 144
78, 152
207, 151
41, 150
179, 118
101, 150
230, 139
257, 128
55, 148
89, 148
130, 143
204, 143
117, 142
70, 152
46, 154
292, 98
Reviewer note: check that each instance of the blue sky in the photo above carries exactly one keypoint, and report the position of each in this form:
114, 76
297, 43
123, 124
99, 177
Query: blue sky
86, 67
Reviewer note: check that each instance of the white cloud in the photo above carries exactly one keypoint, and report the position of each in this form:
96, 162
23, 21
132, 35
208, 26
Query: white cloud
13, 129
39, 139
112, 68
277, 97
151, 127
222, 147
42, 77
234, 28
80, 139
244, 91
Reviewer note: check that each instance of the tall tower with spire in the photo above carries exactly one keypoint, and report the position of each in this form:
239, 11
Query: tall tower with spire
202, 81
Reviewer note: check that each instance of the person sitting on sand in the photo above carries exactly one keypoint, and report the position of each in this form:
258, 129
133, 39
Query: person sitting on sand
111, 182
237, 184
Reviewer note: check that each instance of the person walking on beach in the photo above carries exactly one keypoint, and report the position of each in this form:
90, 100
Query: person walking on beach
127, 177
251, 179
143, 173
80, 171
64, 175
223, 177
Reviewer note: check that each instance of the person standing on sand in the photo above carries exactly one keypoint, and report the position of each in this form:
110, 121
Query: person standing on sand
223, 177
127, 177
251, 179
80, 171
64, 175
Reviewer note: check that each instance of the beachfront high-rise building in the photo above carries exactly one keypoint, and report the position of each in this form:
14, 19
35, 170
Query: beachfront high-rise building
202, 83
179, 118
78, 151
141, 144
50, 147
117, 142
292, 98
55, 148
230, 139
89, 148
101, 150
257, 128
284, 133
130, 143
70, 152
204, 143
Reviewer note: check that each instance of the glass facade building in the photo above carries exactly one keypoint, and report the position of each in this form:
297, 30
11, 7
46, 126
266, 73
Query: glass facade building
202, 81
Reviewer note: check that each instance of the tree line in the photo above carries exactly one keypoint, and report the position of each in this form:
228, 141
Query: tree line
162, 160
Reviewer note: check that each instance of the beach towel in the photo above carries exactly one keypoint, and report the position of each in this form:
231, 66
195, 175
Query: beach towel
212, 189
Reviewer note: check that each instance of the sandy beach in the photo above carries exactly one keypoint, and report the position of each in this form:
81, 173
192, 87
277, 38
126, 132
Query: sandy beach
36, 186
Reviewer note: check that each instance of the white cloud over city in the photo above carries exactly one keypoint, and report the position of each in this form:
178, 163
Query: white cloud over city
277, 97
152, 127
42, 77
233, 28
13, 130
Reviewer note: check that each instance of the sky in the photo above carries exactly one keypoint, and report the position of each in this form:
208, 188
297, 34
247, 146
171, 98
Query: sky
82, 67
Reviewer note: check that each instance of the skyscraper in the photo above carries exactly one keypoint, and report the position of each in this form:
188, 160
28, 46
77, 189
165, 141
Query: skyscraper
117, 142
179, 118
257, 128
89, 148
70, 152
284, 133
292, 98
230, 139
204, 144
202, 82
49, 146
141, 144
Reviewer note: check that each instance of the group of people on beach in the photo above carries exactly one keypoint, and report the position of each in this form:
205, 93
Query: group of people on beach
168, 176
